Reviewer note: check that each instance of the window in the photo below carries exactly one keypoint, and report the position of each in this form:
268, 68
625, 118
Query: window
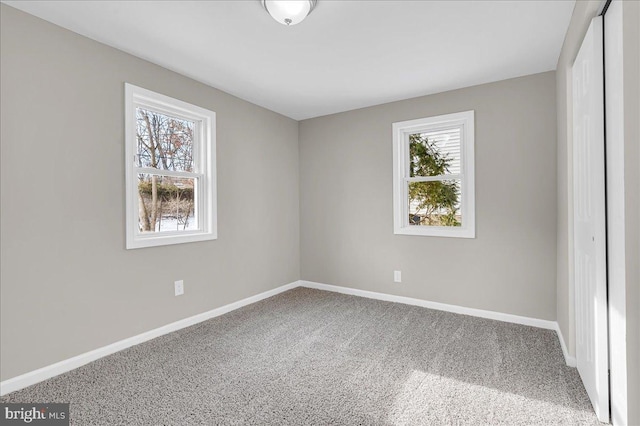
170, 170
433, 187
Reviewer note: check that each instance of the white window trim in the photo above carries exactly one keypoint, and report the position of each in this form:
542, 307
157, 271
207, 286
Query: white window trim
204, 158
401, 132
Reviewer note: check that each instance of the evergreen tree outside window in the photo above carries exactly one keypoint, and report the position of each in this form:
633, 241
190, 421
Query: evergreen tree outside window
434, 176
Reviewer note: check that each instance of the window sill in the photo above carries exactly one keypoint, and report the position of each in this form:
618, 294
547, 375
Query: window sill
165, 240
436, 231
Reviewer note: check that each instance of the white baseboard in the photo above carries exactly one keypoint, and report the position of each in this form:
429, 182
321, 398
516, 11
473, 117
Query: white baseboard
570, 360
533, 322
44, 373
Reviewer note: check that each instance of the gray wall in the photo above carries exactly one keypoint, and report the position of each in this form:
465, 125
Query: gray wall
631, 70
68, 284
346, 202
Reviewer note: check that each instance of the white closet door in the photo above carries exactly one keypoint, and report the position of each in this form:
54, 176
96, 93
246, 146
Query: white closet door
589, 220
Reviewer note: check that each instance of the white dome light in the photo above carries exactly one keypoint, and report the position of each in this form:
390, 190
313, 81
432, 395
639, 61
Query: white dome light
289, 12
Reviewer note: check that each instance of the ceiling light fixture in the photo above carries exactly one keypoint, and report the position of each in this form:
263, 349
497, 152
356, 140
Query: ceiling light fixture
289, 12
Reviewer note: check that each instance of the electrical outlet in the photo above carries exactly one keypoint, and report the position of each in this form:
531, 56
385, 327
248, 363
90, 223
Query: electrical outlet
397, 276
179, 287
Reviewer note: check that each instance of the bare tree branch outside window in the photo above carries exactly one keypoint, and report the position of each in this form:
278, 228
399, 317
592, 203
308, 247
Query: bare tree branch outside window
166, 203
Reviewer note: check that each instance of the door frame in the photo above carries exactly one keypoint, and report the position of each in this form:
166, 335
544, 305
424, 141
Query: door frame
615, 202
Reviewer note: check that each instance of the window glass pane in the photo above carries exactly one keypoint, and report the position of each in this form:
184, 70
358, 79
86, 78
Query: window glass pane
166, 203
163, 142
435, 203
434, 153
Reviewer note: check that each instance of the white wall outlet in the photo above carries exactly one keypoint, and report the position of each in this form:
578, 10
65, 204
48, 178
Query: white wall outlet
397, 276
179, 287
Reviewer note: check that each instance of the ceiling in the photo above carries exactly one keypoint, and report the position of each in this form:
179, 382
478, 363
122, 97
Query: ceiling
345, 55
